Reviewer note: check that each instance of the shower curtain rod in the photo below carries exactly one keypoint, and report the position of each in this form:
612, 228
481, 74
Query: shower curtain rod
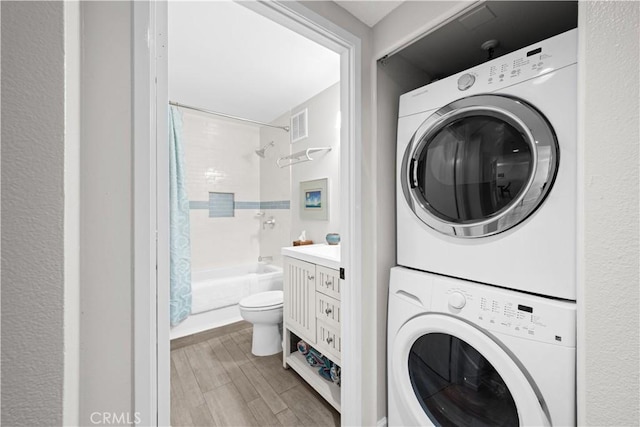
285, 128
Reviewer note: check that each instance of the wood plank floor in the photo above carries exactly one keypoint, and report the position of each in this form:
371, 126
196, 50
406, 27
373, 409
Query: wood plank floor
216, 381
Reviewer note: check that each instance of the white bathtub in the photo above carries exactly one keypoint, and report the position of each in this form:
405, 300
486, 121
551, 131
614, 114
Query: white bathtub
215, 294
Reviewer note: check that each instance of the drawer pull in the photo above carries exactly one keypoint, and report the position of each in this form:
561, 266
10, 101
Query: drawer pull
329, 340
328, 311
310, 277
328, 282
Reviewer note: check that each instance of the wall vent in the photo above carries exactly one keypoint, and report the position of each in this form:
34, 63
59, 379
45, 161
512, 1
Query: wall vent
299, 129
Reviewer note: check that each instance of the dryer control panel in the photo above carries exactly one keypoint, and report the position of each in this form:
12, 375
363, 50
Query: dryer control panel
525, 64
505, 311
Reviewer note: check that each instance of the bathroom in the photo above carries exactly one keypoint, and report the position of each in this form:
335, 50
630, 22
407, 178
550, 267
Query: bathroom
245, 172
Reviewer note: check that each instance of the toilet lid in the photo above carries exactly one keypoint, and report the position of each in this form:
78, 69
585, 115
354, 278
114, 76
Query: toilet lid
263, 300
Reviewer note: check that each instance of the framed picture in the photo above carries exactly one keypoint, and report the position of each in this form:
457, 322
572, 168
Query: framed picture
314, 199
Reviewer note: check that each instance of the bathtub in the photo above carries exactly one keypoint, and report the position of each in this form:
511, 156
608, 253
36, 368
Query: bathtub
215, 294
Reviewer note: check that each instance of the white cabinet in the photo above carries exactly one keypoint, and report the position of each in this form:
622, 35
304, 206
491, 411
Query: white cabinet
300, 298
312, 312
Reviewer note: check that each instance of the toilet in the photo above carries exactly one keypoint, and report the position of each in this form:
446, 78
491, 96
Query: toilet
264, 310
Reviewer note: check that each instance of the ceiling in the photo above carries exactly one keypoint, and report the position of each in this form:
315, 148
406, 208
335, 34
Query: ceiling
455, 46
369, 12
227, 58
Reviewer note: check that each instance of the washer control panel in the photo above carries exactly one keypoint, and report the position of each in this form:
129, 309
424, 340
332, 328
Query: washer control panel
510, 312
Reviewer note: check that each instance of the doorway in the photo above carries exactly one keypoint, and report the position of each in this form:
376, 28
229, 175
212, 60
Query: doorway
152, 331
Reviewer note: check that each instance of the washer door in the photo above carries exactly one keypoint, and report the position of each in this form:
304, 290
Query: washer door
450, 373
479, 165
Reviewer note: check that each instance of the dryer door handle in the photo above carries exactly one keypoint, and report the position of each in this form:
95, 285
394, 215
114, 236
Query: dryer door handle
413, 182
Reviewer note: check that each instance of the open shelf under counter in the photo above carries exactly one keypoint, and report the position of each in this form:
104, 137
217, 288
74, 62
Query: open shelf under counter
327, 389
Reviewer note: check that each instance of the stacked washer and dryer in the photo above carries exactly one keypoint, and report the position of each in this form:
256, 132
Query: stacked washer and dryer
482, 314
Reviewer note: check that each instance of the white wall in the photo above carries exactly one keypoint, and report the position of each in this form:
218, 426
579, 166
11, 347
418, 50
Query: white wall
323, 131
409, 21
608, 323
220, 157
33, 102
106, 270
283, 184
275, 185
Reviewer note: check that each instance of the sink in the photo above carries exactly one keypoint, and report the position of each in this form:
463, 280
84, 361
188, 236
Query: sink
322, 254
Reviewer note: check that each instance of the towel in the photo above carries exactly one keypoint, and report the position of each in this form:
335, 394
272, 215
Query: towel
314, 358
325, 369
335, 373
325, 373
303, 347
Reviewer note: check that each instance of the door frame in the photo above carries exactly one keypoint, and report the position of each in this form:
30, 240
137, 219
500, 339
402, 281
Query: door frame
151, 375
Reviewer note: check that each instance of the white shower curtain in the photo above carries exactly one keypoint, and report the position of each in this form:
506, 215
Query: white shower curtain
180, 245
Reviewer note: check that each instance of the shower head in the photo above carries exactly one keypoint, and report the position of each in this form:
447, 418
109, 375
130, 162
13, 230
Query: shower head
261, 151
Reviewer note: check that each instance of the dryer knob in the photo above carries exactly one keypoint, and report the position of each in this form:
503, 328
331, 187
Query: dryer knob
457, 300
466, 81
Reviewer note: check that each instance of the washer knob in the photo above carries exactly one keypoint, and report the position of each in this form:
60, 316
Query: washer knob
466, 81
457, 300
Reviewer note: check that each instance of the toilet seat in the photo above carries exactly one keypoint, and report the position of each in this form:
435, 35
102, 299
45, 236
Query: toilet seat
263, 301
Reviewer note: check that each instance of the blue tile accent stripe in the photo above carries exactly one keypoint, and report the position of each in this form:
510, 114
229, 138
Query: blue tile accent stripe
247, 205
278, 204
222, 205
196, 204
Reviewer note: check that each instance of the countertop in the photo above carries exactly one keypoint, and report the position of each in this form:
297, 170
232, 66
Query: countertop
321, 254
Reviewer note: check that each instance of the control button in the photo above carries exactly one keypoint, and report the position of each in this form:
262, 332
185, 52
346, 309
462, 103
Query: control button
457, 300
501, 75
466, 81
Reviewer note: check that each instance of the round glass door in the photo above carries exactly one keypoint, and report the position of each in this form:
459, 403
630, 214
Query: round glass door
479, 165
457, 386
444, 371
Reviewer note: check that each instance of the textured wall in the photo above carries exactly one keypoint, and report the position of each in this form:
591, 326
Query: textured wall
32, 213
106, 261
609, 330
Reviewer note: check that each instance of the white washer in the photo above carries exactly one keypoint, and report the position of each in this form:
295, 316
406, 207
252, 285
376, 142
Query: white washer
462, 353
486, 172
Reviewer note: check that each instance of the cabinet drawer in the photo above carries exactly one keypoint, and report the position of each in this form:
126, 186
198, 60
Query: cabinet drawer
328, 281
329, 341
328, 310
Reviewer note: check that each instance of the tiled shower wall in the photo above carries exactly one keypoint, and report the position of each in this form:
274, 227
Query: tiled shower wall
223, 186
275, 185
233, 192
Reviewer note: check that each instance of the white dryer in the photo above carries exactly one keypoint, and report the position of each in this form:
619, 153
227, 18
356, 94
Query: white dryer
486, 172
461, 353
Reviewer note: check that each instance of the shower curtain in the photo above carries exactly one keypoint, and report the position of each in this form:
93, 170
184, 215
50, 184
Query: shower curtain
180, 245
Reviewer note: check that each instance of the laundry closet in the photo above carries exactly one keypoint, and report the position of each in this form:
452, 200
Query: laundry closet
482, 306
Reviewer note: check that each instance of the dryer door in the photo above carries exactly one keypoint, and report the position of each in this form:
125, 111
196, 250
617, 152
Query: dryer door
450, 373
479, 165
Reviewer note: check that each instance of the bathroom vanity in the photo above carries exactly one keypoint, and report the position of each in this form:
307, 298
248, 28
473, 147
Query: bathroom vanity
312, 312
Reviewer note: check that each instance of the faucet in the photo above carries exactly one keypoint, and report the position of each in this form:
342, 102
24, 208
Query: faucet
271, 221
